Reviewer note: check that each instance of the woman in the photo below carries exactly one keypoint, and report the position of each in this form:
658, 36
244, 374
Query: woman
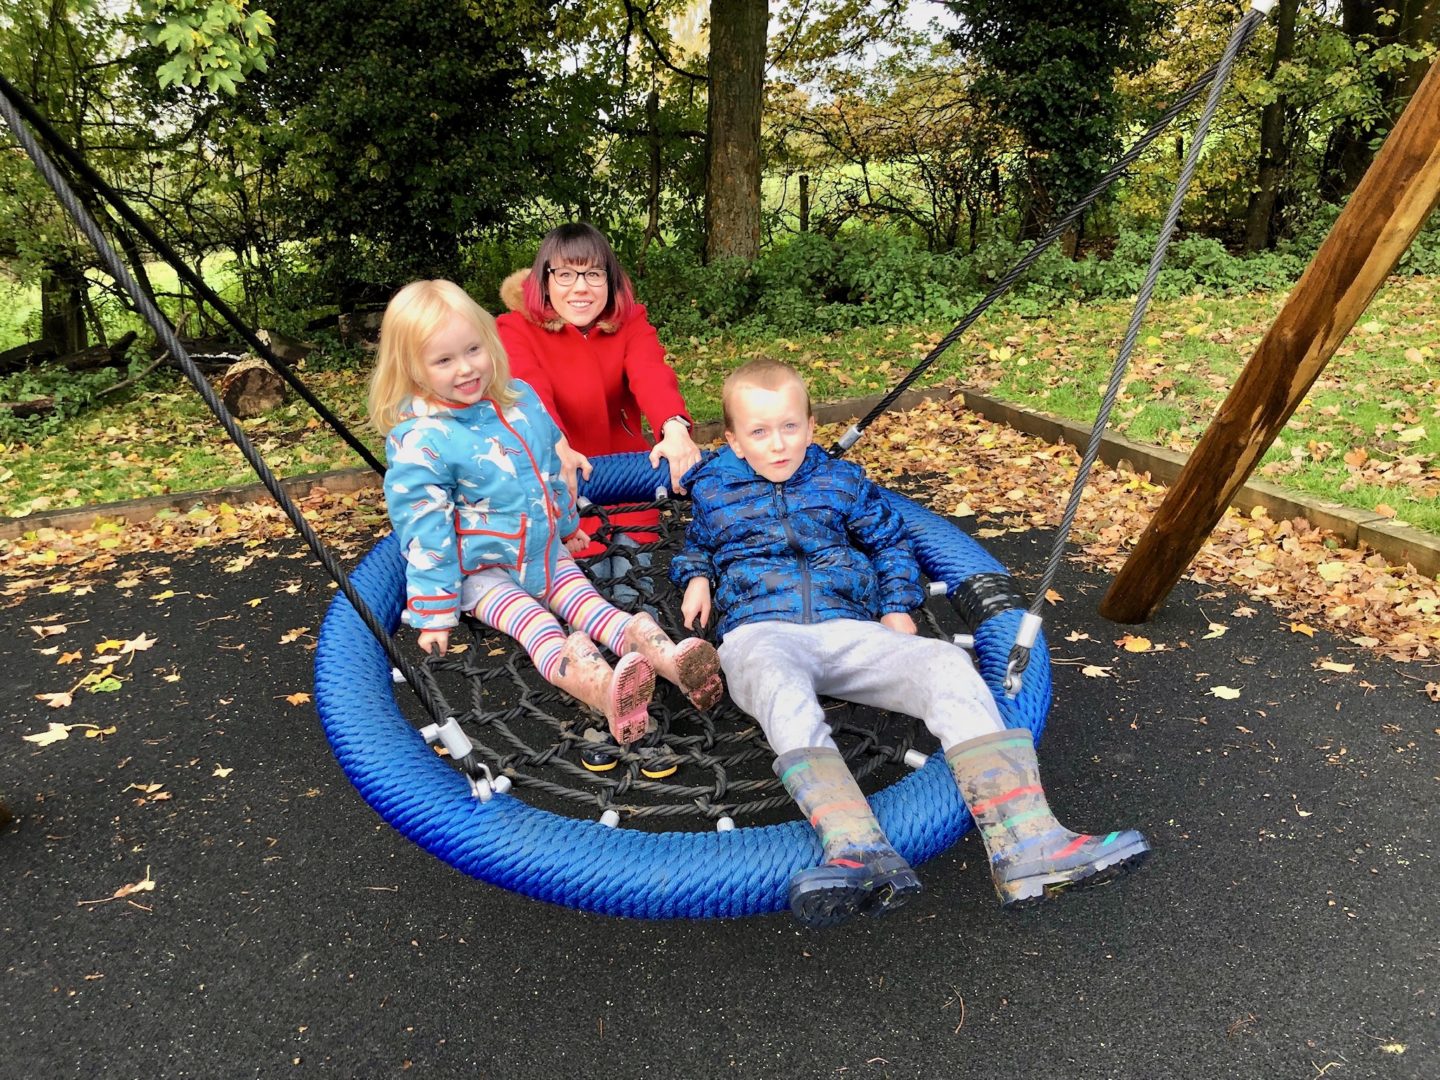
576, 334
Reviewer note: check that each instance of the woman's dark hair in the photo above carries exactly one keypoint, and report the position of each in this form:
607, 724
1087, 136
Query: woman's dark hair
577, 244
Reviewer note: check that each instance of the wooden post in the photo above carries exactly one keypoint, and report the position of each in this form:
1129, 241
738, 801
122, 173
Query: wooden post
804, 203
1379, 222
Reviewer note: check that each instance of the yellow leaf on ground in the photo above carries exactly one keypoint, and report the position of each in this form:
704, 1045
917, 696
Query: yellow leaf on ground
1302, 628
95, 733
1332, 571
1330, 665
53, 734
49, 631
1216, 630
1094, 671
221, 771
166, 595
1409, 435
139, 644
1053, 597
55, 701
1131, 643
70, 657
1228, 693
109, 645
298, 699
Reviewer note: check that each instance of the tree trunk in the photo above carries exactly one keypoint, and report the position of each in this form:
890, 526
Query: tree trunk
732, 159
62, 309
1270, 174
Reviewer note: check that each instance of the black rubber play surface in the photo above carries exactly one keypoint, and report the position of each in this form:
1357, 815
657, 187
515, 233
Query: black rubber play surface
1286, 926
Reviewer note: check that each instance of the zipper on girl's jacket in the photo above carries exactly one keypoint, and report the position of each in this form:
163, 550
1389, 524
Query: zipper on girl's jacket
806, 611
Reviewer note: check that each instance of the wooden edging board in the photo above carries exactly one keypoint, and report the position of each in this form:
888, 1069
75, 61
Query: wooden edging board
1399, 544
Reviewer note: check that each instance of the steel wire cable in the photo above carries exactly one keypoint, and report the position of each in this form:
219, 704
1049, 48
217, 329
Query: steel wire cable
418, 680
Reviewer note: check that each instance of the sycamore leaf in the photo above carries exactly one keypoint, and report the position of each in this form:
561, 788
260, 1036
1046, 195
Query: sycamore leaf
53, 734
222, 772
1332, 571
1228, 693
1094, 671
139, 644
1330, 665
1302, 628
127, 583
1053, 597
100, 732
1131, 643
57, 701
109, 645
1410, 435
255, 602
240, 562
145, 789
291, 635
298, 698
70, 657
1244, 611
1077, 635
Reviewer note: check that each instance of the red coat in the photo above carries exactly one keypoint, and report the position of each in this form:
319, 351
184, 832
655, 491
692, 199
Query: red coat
596, 386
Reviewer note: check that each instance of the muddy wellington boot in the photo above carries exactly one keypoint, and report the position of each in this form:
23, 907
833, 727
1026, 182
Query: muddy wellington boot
1032, 856
692, 665
861, 871
622, 694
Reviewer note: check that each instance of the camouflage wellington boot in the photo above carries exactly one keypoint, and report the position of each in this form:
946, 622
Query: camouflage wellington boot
1032, 856
861, 871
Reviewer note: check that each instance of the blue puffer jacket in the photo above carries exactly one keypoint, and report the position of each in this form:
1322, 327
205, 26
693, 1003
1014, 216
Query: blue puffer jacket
822, 545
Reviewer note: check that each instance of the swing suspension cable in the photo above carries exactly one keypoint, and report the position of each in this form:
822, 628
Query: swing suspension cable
1246, 28
1029, 629
446, 729
117, 202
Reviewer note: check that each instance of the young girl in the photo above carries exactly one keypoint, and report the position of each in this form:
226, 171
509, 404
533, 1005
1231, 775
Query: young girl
485, 522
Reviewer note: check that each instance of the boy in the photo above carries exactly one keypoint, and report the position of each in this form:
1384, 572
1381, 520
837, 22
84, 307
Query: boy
815, 581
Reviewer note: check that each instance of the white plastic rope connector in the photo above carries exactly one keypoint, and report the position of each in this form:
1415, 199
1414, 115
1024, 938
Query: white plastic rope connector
449, 735
1263, 6
850, 438
1025, 639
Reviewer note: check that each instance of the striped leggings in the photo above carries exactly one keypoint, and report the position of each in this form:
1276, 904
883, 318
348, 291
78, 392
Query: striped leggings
513, 611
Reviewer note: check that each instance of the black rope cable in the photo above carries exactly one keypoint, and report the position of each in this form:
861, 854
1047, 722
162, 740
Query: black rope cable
1057, 230
417, 679
533, 733
59, 146
1020, 652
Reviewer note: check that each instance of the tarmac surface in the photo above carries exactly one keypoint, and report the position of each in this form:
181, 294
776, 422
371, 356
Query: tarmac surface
1284, 929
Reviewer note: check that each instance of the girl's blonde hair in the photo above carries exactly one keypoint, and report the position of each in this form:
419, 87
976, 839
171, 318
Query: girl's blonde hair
413, 315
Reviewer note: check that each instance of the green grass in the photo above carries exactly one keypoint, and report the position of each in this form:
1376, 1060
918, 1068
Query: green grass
1367, 436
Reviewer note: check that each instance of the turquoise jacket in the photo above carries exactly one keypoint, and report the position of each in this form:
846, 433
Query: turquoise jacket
472, 488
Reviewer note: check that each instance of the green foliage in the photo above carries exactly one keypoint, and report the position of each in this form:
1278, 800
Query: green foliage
73, 393
216, 43
1048, 69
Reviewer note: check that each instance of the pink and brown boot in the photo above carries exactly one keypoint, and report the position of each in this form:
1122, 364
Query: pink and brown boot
692, 665
622, 693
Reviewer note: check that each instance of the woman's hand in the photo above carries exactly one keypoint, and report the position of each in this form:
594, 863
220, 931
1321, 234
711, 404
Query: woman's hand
676, 447
572, 462
430, 640
899, 621
696, 604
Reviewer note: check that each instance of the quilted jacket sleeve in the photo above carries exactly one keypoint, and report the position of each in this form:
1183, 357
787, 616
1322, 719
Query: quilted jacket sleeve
877, 529
696, 556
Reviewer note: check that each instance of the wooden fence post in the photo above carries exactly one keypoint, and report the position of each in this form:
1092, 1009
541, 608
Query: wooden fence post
1377, 225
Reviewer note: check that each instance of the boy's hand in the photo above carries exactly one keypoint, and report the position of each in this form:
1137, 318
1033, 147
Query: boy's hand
579, 540
899, 621
430, 640
696, 604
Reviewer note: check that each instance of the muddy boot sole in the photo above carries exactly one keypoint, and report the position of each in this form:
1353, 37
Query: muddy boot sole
698, 667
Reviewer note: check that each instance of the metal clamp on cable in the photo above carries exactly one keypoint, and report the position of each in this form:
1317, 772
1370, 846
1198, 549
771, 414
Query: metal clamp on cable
1025, 639
1263, 6
457, 744
850, 438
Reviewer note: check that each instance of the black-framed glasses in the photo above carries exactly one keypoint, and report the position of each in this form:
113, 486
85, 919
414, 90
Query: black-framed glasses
564, 276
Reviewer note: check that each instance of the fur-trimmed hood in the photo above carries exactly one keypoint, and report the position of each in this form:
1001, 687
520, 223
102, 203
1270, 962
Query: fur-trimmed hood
512, 295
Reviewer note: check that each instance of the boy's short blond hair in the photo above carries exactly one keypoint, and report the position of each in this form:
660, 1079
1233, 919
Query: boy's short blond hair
765, 374
413, 315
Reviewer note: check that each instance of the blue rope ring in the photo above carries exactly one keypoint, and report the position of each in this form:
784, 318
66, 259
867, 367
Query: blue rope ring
587, 865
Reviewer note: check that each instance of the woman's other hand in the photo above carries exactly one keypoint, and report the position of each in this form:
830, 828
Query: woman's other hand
679, 449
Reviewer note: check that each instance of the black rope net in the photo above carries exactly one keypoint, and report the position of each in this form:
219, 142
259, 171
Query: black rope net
533, 732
